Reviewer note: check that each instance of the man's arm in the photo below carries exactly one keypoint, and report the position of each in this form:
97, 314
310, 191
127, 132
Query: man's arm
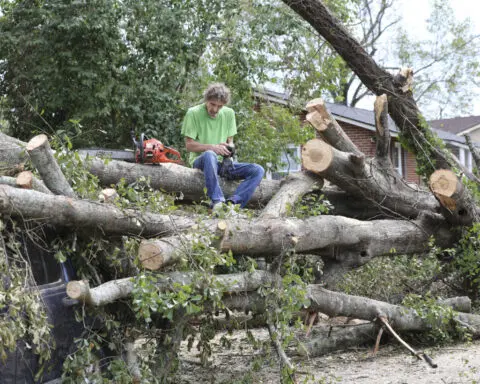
220, 149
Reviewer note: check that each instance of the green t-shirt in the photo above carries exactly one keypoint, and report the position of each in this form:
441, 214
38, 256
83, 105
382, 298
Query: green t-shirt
199, 126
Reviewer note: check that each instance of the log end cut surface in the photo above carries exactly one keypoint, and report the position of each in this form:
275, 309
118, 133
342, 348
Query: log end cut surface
37, 142
149, 256
443, 182
25, 179
77, 290
316, 156
315, 105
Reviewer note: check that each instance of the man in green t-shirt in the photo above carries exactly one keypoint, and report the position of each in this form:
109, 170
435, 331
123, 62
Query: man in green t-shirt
209, 129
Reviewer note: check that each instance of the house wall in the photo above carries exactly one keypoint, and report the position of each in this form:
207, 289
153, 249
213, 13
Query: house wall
364, 139
410, 166
475, 135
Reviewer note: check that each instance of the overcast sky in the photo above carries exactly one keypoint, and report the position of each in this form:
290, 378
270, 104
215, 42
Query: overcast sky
415, 12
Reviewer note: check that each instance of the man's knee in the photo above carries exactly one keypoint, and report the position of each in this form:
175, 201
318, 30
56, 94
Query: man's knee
259, 171
210, 153
209, 160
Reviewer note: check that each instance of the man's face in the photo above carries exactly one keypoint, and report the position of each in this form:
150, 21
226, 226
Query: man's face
213, 107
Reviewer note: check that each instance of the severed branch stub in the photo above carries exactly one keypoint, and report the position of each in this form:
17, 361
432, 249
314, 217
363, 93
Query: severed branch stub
419, 354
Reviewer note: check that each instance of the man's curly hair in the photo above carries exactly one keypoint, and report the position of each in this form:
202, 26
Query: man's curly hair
217, 91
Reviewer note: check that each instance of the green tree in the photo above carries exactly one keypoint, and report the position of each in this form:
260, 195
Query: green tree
59, 63
446, 63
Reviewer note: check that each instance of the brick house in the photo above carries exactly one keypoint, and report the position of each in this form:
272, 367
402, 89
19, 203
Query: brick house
359, 125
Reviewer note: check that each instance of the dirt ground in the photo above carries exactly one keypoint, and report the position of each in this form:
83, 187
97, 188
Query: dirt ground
458, 363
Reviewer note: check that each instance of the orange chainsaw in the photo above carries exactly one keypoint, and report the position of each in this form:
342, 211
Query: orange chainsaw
152, 151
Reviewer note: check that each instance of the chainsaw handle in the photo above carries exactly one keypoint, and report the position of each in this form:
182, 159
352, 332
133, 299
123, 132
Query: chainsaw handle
172, 151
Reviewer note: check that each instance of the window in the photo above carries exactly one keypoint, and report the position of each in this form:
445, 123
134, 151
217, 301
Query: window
397, 158
463, 155
290, 160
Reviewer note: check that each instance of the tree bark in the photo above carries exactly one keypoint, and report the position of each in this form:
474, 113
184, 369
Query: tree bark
332, 236
12, 155
27, 180
458, 209
292, 189
172, 178
327, 127
82, 214
120, 289
367, 179
42, 157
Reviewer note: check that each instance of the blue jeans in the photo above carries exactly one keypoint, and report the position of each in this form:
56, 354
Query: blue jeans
251, 173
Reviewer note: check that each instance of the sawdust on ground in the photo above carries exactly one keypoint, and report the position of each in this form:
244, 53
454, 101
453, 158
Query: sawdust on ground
458, 363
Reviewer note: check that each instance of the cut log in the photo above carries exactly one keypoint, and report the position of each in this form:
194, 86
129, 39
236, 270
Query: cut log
317, 156
347, 241
291, 191
27, 180
158, 254
172, 178
322, 234
119, 289
108, 195
42, 157
12, 155
86, 215
368, 179
328, 128
451, 193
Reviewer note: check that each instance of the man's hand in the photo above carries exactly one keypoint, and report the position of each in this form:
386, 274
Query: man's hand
221, 149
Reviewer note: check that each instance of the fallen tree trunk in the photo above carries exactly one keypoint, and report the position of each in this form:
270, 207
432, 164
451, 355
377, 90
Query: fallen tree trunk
453, 196
12, 155
373, 179
291, 191
27, 180
86, 215
172, 178
239, 288
347, 241
120, 289
333, 338
352, 241
42, 157
402, 106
